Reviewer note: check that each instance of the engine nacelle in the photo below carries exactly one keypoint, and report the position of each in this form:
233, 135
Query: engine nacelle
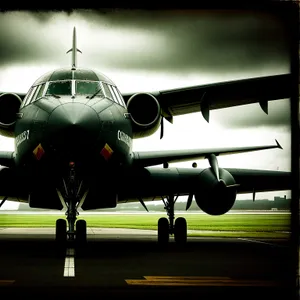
145, 114
215, 197
9, 106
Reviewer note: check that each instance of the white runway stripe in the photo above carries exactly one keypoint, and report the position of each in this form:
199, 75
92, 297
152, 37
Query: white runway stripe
69, 268
261, 242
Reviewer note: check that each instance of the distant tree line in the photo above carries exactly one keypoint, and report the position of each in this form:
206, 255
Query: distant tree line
277, 204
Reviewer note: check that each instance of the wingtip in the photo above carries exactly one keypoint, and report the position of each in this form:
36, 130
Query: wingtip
278, 145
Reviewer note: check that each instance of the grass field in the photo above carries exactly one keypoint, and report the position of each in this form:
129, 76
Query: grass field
240, 225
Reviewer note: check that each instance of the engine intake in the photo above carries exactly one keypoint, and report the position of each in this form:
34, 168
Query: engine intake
215, 197
145, 114
9, 106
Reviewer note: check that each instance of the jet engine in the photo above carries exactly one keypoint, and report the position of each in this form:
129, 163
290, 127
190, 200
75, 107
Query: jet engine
9, 106
145, 114
216, 197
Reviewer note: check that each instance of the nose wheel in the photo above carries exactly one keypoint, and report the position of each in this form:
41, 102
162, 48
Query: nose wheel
167, 226
62, 235
66, 233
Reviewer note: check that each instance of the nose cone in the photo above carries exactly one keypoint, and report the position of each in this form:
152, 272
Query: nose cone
74, 126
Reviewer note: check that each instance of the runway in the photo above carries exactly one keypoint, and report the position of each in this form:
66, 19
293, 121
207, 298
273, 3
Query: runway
121, 262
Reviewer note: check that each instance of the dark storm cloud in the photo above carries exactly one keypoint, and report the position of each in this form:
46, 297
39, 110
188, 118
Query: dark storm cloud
207, 41
173, 42
22, 37
279, 115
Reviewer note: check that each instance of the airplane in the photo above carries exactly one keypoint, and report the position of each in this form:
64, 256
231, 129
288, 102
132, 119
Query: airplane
73, 133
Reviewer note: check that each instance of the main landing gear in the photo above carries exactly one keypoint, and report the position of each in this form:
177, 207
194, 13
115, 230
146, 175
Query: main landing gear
168, 227
71, 199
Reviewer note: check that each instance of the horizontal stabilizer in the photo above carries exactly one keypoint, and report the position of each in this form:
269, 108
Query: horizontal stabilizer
76, 49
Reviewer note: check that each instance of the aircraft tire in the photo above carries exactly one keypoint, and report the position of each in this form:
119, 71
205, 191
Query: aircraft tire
81, 232
61, 231
180, 230
163, 231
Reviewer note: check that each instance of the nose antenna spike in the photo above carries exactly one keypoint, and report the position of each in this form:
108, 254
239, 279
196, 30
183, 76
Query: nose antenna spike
74, 50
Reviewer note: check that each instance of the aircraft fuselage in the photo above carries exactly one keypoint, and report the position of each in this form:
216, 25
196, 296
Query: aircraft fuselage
67, 124
52, 132
72, 118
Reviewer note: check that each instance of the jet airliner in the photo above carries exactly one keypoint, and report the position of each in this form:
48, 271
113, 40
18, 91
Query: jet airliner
73, 133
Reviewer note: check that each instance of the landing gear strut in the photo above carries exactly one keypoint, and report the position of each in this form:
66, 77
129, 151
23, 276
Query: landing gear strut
167, 227
71, 199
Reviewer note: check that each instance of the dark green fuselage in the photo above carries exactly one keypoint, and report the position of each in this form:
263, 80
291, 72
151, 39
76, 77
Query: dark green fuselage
64, 125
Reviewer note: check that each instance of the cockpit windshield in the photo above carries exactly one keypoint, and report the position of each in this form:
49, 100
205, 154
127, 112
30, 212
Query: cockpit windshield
88, 88
59, 88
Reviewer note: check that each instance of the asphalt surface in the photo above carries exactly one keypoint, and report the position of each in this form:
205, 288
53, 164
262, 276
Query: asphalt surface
130, 263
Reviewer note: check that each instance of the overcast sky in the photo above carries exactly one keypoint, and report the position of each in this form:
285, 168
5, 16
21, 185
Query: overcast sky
151, 50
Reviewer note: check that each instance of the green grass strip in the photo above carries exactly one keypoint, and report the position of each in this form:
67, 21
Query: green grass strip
229, 222
228, 225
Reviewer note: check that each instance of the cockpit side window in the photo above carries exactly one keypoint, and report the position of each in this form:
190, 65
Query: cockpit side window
119, 96
41, 90
59, 88
38, 87
107, 91
89, 88
29, 96
26, 97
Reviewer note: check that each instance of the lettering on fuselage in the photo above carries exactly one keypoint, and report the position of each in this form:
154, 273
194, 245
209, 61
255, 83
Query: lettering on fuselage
22, 137
122, 136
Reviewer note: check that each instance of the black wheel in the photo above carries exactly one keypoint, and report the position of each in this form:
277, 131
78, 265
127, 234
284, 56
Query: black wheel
81, 232
61, 231
163, 230
180, 230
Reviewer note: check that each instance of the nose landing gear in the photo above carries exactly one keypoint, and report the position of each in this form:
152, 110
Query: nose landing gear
71, 199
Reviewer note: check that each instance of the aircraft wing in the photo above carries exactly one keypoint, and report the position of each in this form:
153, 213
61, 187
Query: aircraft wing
261, 180
154, 183
151, 158
204, 98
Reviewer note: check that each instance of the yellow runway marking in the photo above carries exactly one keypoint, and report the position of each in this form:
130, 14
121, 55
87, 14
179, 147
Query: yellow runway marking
199, 281
6, 282
164, 278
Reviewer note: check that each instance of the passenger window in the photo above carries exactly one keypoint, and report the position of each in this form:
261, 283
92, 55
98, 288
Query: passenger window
59, 88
